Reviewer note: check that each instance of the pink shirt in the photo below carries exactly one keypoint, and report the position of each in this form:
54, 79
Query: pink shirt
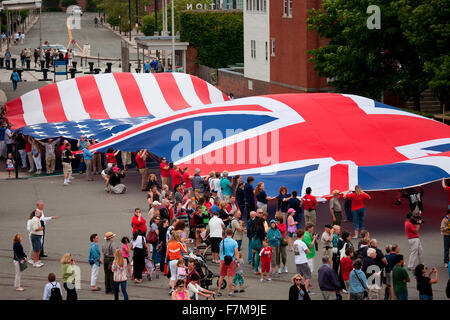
125, 252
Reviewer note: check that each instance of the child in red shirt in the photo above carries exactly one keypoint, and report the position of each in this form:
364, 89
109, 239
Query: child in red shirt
347, 266
265, 258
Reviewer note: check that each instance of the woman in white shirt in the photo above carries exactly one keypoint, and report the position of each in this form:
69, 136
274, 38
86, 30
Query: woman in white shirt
139, 247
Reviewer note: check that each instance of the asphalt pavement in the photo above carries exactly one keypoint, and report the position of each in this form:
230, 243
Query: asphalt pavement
85, 208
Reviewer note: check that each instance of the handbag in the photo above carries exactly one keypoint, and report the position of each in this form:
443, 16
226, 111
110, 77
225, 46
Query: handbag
226, 259
22, 263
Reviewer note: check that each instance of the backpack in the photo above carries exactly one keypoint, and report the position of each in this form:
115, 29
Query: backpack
55, 293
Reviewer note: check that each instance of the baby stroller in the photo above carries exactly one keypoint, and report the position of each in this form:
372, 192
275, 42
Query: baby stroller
205, 244
206, 275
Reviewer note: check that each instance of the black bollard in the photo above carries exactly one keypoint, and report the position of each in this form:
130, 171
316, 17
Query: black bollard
19, 71
91, 67
97, 70
74, 65
72, 72
129, 67
109, 64
42, 64
28, 64
13, 62
138, 70
45, 73
2, 62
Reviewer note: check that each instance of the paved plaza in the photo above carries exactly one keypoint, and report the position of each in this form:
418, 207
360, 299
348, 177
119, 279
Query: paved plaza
84, 208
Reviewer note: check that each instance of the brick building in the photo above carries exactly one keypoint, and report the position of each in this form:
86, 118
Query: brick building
276, 42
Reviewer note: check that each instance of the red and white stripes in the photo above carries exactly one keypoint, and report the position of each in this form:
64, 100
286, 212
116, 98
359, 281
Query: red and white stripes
112, 96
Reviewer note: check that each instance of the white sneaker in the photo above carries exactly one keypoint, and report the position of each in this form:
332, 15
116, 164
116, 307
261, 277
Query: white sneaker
38, 172
445, 265
262, 280
279, 270
30, 171
344, 291
38, 264
286, 269
65, 183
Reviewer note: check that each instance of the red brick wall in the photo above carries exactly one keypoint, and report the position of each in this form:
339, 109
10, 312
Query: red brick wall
237, 84
191, 58
292, 41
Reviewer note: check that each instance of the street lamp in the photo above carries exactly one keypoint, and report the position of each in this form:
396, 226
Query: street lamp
1, 40
173, 38
39, 6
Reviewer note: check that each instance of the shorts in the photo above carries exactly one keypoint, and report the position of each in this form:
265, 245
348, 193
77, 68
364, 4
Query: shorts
304, 270
265, 266
238, 279
36, 242
67, 167
291, 234
215, 242
225, 270
388, 278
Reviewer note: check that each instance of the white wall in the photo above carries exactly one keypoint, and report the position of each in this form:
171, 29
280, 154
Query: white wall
257, 27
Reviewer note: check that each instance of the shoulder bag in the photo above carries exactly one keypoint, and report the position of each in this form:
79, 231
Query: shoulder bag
366, 293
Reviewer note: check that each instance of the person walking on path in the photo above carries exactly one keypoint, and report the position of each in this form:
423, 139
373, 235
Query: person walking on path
357, 282
20, 260
298, 290
358, 208
68, 274
412, 227
228, 255
309, 203
50, 157
44, 220
141, 157
94, 261
424, 283
328, 279
108, 250
445, 232
88, 156
15, 78
400, 278
119, 267
36, 231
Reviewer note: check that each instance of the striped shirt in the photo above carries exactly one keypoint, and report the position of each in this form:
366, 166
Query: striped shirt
120, 273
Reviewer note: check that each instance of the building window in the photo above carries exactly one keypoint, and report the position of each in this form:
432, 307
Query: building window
273, 47
253, 49
287, 8
257, 5
250, 85
267, 52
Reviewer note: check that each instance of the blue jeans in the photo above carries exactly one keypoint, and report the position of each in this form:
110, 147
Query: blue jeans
239, 242
123, 287
358, 218
155, 254
348, 209
14, 85
299, 218
402, 295
446, 248
250, 252
425, 297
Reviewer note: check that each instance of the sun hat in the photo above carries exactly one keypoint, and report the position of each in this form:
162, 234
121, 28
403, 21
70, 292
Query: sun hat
109, 235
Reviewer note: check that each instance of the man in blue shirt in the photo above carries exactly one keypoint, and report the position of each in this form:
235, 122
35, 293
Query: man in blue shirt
228, 248
328, 279
226, 186
146, 67
94, 260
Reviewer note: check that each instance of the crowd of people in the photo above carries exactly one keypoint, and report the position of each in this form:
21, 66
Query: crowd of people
189, 215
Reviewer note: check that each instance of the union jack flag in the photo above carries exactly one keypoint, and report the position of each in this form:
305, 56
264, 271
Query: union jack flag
324, 141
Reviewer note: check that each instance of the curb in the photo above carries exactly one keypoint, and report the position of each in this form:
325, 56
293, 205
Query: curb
3, 98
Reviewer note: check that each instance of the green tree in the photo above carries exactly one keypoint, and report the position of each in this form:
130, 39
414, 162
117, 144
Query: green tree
366, 61
68, 3
427, 28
